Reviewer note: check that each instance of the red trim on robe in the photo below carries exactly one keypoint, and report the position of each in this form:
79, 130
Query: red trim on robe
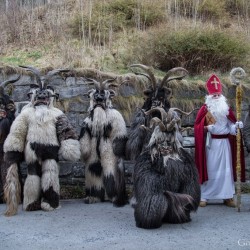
200, 142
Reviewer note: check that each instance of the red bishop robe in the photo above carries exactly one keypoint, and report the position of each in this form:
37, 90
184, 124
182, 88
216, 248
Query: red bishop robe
200, 141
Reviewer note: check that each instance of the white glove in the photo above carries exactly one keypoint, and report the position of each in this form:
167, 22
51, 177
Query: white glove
210, 128
239, 124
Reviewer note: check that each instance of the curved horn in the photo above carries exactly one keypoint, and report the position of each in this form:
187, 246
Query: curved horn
35, 71
52, 73
96, 83
158, 122
105, 84
142, 74
161, 110
148, 70
236, 75
167, 77
171, 125
5, 83
181, 111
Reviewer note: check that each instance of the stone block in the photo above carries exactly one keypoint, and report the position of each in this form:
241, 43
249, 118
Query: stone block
188, 141
20, 93
70, 92
78, 106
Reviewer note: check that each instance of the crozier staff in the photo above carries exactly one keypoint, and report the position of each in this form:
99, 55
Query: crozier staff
236, 75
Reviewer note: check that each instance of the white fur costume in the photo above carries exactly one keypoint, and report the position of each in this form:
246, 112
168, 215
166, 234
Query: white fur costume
102, 140
42, 134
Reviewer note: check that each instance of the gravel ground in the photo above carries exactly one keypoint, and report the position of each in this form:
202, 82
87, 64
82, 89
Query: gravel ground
101, 226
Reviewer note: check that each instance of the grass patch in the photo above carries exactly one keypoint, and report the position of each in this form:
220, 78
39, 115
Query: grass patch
72, 192
22, 57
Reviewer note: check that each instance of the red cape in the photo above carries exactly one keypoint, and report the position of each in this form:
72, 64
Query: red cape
200, 139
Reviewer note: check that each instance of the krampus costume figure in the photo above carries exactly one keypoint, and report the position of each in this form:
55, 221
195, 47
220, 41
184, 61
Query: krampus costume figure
43, 134
103, 138
157, 95
7, 116
166, 186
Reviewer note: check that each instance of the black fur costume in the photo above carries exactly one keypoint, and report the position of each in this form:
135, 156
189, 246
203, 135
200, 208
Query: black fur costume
166, 186
157, 95
7, 116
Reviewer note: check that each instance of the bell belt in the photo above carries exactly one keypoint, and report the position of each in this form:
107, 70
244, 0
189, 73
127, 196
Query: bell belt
219, 136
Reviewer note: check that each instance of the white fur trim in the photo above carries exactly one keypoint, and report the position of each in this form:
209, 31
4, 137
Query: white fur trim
70, 150
108, 158
46, 206
86, 146
32, 190
50, 175
118, 124
12, 190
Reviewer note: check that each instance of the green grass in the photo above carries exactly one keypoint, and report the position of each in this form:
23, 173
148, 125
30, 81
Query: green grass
19, 57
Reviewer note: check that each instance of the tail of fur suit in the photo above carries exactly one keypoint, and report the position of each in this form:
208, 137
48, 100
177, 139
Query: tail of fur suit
12, 190
179, 208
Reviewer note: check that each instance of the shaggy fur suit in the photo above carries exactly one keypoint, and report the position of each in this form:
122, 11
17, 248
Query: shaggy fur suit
7, 116
166, 185
103, 138
41, 135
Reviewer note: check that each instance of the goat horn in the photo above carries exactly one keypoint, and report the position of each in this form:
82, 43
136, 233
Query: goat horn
52, 73
158, 122
142, 74
161, 110
181, 111
5, 83
148, 70
35, 71
107, 83
171, 125
96, 83
167, 77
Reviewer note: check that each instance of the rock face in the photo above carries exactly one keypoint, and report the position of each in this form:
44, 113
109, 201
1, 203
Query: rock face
73, 86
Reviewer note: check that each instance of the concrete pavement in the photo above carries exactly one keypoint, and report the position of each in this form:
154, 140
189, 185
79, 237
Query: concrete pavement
101, 226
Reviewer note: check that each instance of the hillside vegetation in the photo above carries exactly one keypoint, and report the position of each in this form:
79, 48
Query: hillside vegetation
109, 35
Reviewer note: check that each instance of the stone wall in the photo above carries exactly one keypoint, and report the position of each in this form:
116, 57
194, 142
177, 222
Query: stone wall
72, 87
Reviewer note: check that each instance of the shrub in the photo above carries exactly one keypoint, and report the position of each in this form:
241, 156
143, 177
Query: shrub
213, 10
196, 50
115, 16
139, 14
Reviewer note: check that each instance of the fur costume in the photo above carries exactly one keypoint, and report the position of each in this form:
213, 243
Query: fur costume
157, 95
7, 116
103, 138
42, 134
166, 186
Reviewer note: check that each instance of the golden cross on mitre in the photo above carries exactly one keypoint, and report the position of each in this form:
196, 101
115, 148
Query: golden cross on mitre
215, 82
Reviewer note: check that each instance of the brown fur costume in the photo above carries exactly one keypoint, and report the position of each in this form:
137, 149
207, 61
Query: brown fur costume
166, 186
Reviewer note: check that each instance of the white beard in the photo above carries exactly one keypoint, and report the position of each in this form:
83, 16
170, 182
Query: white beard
217, 107
99, 121
42, 114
